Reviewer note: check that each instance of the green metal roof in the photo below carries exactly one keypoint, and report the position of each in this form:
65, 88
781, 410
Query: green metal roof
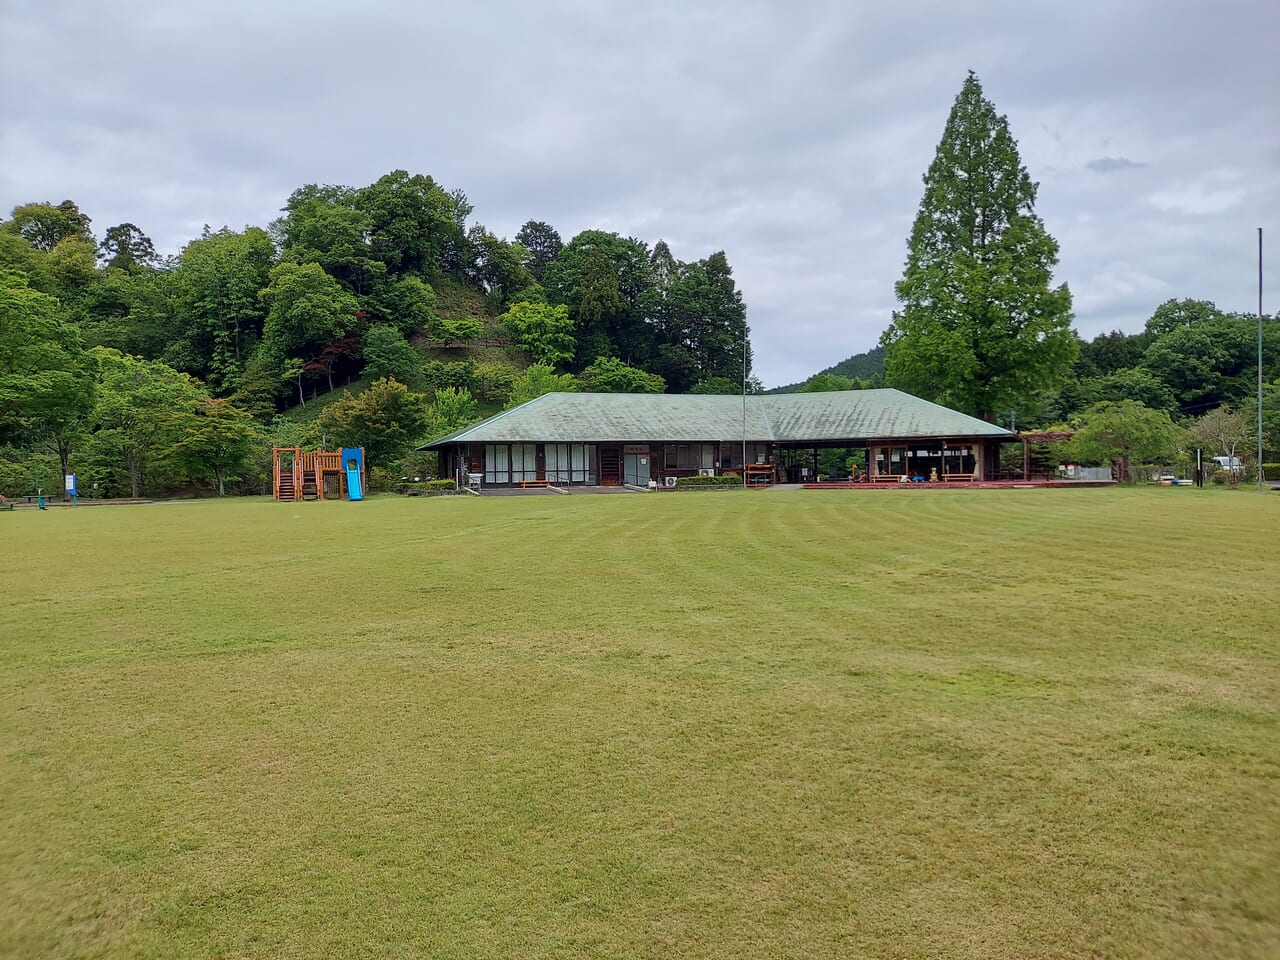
779, 418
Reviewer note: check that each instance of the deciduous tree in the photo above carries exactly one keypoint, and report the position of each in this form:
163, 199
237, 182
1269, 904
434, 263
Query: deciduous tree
386, 418
212, 439
46, 378
388, 354
217, 282
452, 409
611, 375
540, 379
132, 419
1125, 431
545, 331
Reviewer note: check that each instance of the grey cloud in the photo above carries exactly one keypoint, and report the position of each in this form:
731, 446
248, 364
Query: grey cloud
791, 136
1113, 164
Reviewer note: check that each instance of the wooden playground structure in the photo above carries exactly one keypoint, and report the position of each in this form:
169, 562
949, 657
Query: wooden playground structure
298, 474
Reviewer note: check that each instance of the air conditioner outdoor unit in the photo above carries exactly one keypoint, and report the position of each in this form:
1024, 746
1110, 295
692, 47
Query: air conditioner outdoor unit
707, 472
670, 481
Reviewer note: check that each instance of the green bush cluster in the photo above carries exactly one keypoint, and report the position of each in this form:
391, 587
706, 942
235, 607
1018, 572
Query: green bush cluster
429, 488
727, 480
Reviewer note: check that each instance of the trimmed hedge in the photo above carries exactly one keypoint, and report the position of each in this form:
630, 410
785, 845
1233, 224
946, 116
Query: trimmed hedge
446, 484
728, 480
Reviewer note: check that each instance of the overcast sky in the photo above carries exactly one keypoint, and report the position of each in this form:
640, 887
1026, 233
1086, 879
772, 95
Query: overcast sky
791, 135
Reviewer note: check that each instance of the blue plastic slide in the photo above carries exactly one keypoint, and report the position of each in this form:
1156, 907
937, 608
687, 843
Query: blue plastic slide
353, 485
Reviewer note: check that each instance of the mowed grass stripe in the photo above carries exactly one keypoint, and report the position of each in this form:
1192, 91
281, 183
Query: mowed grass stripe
970, 723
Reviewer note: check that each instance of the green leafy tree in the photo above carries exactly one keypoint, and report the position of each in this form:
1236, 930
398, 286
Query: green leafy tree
980, 328
1135, 383
1182, 314
211, 439
133, 311
452, 409
46, 378
493, 382
1270, 418
415, 226
73, 265
540, 379
406, 303
307, 309
824, 382
217, 284
20, 256
709, 319
1124, 432
322, 225
611, 375
717, 385
545, 331
541, 244
498, 266
133, 418
386, 418
1110, 353
44, 225
459, 330
388, 355
1202, 363
603, 278
39, 353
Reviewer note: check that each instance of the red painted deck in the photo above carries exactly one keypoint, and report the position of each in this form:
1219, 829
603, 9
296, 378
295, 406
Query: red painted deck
961, 485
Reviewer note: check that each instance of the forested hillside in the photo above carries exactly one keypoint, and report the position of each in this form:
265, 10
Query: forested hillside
862, 370
359, 311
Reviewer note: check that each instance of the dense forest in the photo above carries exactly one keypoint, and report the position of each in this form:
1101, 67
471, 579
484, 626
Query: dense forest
376, 315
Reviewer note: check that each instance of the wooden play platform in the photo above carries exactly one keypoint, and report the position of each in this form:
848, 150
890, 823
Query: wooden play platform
298, 474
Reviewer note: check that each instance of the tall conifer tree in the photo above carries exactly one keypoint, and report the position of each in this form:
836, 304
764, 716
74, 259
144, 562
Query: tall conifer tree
980, 328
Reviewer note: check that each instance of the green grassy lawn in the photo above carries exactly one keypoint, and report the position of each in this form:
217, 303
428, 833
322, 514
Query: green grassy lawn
1014, 724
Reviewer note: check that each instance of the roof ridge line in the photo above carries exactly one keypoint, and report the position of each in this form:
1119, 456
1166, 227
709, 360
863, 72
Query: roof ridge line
457, 434
768, 422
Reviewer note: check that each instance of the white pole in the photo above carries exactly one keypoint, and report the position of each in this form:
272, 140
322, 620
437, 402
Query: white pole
744, 405
1261, 473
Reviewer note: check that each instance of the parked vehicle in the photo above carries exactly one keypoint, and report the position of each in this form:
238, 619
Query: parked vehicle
1230, 464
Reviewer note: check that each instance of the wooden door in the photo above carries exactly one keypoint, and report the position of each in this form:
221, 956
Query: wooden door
610, 466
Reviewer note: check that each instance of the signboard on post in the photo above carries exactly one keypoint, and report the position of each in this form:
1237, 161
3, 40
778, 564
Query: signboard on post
70, 486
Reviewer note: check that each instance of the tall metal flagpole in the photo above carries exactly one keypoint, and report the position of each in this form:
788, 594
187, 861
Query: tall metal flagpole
744, 404
1261, 472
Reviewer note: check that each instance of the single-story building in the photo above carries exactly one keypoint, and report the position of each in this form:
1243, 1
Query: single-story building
614, 438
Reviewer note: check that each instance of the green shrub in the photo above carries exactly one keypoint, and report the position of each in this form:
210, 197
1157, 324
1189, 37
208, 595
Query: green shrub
430, 488
1270, 471
493, 382
728, 480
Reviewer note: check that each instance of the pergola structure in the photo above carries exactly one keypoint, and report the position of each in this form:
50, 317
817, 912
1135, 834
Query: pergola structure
1044, 436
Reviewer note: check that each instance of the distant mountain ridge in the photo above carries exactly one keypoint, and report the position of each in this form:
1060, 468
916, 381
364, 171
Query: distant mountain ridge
860, 366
